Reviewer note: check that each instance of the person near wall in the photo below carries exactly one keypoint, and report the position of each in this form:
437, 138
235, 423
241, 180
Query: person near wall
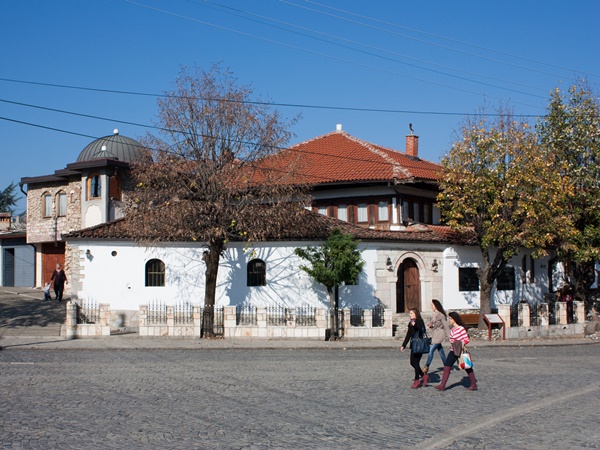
567, 295
440, 330
59, 278
416, 327
458, 338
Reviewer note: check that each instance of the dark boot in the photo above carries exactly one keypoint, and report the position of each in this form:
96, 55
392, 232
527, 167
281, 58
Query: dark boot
445, 376
425, 379
473, 386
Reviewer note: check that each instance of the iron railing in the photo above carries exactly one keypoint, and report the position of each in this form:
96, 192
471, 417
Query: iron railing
306, 316
213, 321
88, 312
357, 316
156, 313
378, 315
183, 313
245, 315
277, 316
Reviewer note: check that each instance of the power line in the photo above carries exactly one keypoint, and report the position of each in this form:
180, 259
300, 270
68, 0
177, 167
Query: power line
333, 58
433, 35
208, 4
389, 111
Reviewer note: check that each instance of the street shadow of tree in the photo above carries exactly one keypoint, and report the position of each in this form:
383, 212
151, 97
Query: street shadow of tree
30, 312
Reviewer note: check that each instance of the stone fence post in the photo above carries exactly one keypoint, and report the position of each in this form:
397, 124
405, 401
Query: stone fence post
525, 314
197, 318
229, 321
71, 321
368, 317
504, 313
579, 308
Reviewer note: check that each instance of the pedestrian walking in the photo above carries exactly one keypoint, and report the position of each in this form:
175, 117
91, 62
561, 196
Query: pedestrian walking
416, 328
458, 338
440, 331
59, 278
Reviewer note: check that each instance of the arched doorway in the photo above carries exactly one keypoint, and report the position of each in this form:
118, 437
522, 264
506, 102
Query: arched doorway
408, 287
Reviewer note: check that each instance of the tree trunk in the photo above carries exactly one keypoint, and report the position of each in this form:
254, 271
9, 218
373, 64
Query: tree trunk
485, 301
333, 315
211, 258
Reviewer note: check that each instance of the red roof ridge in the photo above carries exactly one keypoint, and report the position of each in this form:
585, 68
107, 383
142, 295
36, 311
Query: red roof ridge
397, 167
308, 141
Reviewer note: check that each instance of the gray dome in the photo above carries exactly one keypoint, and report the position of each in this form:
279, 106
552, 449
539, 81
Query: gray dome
114, 146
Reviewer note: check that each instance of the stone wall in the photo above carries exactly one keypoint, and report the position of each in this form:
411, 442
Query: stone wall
49, 229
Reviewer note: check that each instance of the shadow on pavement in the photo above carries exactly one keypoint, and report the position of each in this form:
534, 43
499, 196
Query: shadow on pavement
19, 312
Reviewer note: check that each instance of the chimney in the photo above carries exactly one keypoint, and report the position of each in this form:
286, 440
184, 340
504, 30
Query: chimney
412, 145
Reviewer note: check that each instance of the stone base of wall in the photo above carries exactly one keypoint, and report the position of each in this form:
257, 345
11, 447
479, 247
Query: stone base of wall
92, 330
165, 330
575, 330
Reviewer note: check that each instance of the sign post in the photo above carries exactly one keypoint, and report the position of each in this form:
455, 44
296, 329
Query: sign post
494, 319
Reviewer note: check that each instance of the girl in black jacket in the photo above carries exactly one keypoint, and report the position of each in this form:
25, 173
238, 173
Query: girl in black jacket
416, 326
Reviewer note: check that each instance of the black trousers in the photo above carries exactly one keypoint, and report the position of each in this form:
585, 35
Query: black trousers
415, 361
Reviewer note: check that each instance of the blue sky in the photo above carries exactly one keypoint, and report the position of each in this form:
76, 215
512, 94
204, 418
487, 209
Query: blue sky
425, 63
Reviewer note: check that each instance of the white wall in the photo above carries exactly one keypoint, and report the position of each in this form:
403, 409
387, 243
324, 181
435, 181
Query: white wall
456, 257
119, 280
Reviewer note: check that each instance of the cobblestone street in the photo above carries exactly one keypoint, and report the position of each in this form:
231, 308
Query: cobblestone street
529, 397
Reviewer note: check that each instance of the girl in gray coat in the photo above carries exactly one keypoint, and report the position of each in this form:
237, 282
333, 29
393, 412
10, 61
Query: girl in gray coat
439, 326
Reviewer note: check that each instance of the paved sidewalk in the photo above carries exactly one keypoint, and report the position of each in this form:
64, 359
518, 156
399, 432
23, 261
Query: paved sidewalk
133, 341
27, 321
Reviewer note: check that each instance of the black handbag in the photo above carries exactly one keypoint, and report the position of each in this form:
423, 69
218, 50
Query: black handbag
420, 343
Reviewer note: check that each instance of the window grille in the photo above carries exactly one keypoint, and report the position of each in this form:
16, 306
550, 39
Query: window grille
257, 273
155, 273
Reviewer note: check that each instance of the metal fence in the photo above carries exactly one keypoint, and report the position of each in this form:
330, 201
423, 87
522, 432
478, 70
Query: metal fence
516, 315
156, 313
88, 311
277, 316
535, 316
306, 316
183, 313
213, 321
357, 316
378, 316
245, 315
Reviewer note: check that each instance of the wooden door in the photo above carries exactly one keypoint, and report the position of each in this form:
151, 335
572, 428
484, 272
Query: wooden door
52, 254
408, 288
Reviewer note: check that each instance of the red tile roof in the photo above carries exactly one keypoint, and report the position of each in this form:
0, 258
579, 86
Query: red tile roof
338, 157
312, 226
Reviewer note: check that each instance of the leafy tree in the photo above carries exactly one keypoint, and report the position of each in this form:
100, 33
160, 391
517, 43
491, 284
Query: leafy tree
570, 132
8, 199
335, 262
497, 183
215, 175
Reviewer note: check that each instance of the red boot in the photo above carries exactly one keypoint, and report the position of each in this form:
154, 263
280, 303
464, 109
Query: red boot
445, 376
425, 379
473, 386
416, 384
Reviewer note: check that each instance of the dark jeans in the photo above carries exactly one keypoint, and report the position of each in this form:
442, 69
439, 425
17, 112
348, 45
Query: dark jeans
415, 361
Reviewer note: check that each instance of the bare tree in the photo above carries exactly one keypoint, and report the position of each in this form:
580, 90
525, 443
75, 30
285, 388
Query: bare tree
215, 176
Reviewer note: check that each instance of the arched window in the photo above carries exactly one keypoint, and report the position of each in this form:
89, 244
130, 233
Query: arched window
61, 204
94, 186
46, 204
257, 273
155, 273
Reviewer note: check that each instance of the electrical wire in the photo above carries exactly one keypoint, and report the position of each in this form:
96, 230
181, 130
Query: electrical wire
432, 43
208, 4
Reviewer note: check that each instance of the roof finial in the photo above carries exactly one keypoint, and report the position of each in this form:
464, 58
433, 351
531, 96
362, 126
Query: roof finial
338, 127
116, 131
